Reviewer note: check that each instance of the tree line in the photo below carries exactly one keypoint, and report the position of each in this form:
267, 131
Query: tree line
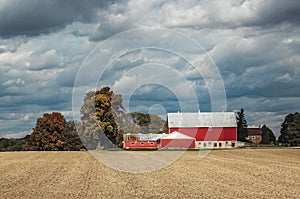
51, 133
289, 133
104, 121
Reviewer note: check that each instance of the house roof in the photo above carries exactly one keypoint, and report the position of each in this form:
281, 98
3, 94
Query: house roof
202, 119
178, 135
151, 136
254, 131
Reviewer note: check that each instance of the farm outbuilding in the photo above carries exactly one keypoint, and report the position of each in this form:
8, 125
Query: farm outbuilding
141, 141
151, 144
210, 129
254, 135
177, 140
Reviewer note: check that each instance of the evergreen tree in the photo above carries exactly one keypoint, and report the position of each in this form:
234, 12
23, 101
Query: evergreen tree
242, 125
290, 130
268, 136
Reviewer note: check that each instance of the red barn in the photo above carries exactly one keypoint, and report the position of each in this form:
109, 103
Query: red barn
177, 140
141, 141
210, 129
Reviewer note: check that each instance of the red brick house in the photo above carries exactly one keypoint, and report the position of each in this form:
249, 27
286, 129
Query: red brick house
254, 135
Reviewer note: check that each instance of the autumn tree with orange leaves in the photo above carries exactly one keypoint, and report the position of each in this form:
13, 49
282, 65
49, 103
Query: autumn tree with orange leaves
53, 133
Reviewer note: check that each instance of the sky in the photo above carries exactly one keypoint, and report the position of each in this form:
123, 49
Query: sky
161, 56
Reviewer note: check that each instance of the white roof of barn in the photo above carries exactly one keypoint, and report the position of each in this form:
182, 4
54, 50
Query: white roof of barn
201, 119
178, 135
151, 136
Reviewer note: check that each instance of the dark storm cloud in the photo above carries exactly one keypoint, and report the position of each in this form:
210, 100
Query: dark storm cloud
107, 29
232, 14
276, 79
273, 12
33, 17
154, 93
255, 44
47, 98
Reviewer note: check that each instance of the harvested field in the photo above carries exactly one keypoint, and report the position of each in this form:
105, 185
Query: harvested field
245, 173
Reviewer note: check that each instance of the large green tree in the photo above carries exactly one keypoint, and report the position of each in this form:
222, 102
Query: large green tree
141, 123
290, 130
71, 139
157, 124
242, 125
268, 136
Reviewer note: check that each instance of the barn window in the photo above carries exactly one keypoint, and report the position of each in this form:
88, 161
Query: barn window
209, 143
199, 143
226, 142
132, 143
233, 144
204, 144
142, 143
220, 144
215, 144
151, 143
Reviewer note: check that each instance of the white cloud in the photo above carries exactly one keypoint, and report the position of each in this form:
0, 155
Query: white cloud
20, 134
17, 81
284, 78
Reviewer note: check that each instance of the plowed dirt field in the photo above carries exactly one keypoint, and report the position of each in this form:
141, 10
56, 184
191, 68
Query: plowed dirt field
243, 173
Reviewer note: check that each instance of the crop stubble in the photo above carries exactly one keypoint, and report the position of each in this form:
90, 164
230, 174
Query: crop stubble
246, 173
